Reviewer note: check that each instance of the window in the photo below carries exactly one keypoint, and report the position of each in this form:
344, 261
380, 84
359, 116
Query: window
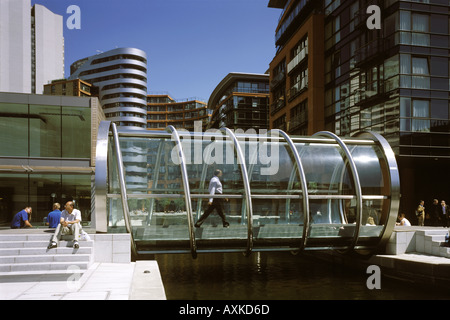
421, 108
439, 109
45, 131
14, 129
420, 66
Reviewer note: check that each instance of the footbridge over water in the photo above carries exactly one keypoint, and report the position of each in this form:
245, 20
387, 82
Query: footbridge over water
284, 193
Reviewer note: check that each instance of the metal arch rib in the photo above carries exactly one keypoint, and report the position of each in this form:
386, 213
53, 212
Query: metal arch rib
302, 175
355, 180
187, 191
123, 189
394, 183
101, 177
248, 197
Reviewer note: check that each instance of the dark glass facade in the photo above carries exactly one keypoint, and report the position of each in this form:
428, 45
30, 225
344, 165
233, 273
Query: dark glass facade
393, 81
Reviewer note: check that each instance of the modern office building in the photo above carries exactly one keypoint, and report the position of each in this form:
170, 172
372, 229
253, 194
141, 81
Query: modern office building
241, 101
31, 47
163, 111
47, 152
74, 88
392, 80
121, 78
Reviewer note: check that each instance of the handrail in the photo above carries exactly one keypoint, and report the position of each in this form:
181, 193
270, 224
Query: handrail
247, 191
356, 181
296, 139
187, 192
302, 176
123, 188
254, 196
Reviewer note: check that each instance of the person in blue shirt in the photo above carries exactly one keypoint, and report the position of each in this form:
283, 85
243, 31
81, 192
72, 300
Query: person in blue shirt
22, 219
54, 217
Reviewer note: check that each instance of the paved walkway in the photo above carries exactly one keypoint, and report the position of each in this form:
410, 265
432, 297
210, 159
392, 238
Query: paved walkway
102, 281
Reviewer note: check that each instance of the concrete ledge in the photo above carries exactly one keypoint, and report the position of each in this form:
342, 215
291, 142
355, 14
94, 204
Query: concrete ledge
147, 283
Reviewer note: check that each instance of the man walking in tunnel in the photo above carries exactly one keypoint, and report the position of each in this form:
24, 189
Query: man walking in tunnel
215, 187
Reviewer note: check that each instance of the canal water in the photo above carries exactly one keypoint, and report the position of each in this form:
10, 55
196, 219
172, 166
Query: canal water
276, 276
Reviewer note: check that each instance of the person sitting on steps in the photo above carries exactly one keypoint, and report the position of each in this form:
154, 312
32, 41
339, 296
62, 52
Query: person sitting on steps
70, 223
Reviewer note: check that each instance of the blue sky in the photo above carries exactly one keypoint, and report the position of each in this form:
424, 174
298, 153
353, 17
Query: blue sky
191, 44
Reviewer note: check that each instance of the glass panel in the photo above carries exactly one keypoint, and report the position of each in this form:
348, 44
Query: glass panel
42, 189
439, 109
77, 188
405, 107
13, 196
45, 131
13, 129
134, 154
420, 66
76, 130
421, 108
367, 160
405, 63
405, 20
324, 169
420, 22
420, 125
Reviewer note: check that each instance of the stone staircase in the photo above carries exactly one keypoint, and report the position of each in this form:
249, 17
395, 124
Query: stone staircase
430, 242
26, 256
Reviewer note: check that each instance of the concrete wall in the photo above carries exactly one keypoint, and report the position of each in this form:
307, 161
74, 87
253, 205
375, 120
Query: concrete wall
112, 248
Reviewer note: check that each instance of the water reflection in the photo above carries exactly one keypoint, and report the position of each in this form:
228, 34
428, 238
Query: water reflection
274, 276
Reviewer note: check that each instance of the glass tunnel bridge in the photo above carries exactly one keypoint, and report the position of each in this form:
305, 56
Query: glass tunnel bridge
284, 193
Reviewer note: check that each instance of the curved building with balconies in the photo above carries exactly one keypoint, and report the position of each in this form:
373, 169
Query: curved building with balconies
121, 77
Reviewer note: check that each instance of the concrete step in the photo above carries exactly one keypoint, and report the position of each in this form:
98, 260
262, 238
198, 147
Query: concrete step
47, 275
44, 251
45, 258
26, 257
41, 244
32, 237
43, 266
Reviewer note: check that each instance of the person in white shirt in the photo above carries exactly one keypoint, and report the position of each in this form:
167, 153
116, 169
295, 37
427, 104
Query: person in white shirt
403, 221
70, 223
215, 187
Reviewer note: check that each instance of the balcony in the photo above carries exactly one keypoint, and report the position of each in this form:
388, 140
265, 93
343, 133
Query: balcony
298, 120
298, 88
299, 58
277, 105
277, 80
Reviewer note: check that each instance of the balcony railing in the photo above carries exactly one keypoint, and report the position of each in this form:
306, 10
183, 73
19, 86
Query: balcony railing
298, 88
298, 120
300, 57
278, 79
274, 107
